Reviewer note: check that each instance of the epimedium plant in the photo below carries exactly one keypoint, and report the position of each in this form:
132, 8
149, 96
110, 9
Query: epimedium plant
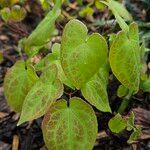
81, 62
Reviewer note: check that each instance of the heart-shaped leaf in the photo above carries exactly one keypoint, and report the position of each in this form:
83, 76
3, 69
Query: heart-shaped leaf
42, 95
81, 55
73, 127
18, 81
125, 58
117, 124
95, 90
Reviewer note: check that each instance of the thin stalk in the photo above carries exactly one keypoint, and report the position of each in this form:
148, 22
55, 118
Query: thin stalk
125, 102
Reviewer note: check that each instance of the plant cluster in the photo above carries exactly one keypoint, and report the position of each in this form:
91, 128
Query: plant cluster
81, 62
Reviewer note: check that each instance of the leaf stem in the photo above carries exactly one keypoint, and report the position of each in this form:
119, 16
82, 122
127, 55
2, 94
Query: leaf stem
125, 102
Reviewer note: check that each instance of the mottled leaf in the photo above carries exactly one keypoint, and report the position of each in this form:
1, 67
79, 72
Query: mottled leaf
18, 81
95, 91
54, 58
81, 55
124, 58
117, 124
42, 95
70, 128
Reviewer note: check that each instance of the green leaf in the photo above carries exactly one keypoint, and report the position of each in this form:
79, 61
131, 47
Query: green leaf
43, 32
126, 68
122, 91
120, 9
17, 13
70, 128
118, 16
135, 135
112, 37
54, 58
81, 55
117, 124
18, 81
45, 4
145, 84
99, 5
130, 122
42, 95
5, 14
87, 11
95, 91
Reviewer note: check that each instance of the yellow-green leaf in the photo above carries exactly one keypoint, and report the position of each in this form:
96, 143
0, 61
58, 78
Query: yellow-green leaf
81, 55
70, 128
18, 81
43, 32
17, 13
120, 9
125, 59
95, 90
122, 91
54, 58
42, 95
117, 124
5, 14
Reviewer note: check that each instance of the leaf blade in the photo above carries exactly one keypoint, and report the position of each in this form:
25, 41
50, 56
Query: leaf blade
95, 91
70, 122
125, 67
41, 96
18, 81
79, 52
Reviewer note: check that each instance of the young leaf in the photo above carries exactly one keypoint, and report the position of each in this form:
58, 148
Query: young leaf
18, 81
117, 15
122, 91
45, 4
42, 95
17, 13
87, 11
117, 124
120, 9
124, 58
70, 128
145, 84
135, 135
5, 13
95, 91
81, 55
130, 122
41, 35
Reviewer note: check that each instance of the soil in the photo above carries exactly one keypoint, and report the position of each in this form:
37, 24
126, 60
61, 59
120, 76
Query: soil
29, 135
